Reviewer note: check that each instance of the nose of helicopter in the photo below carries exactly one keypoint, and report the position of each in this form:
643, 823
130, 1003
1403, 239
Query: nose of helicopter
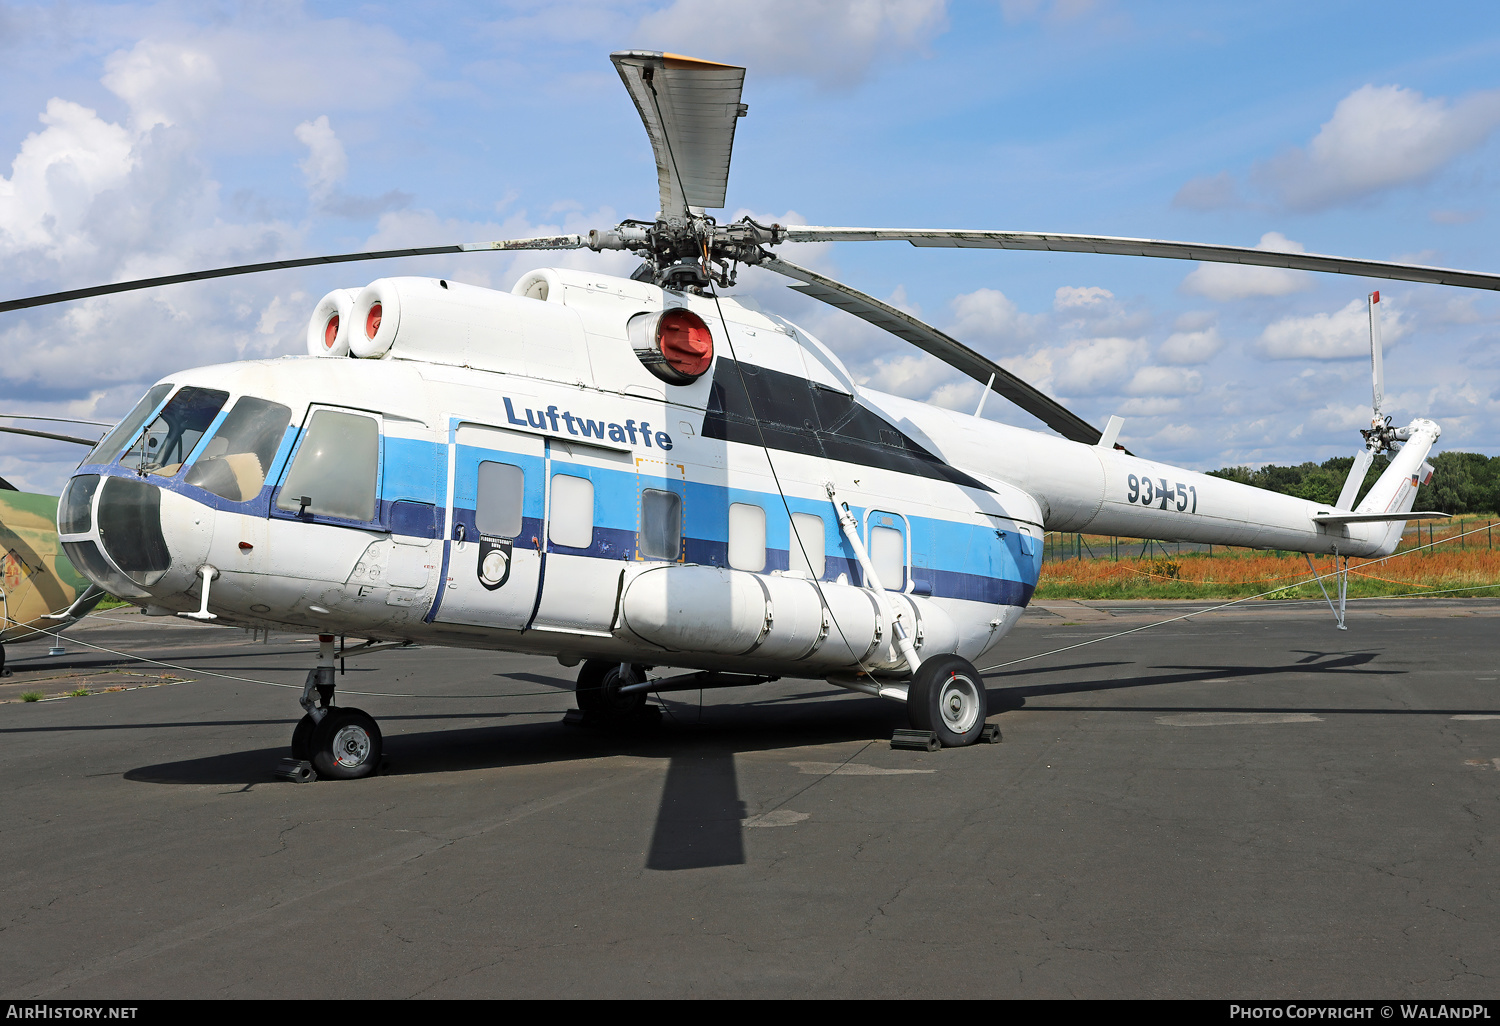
134, 539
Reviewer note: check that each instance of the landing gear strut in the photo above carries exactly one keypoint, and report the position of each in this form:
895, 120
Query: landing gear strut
338, 743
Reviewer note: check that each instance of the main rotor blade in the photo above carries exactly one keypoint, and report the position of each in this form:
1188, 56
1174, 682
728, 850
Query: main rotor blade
58, 420
689, 107
952, 352
943, 238
543, 242
49, 434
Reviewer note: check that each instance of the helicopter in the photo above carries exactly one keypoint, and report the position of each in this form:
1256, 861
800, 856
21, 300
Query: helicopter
40, 590
632, 473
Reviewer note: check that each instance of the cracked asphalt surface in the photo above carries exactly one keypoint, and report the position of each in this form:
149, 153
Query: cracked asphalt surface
1246, 804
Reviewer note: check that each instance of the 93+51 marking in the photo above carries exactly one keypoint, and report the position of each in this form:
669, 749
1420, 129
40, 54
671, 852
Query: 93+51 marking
1146, 492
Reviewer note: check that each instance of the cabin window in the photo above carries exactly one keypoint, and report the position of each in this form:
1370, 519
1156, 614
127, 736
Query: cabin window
661, 524
497, 509
75, 510
888, 557
335, 467
176, 431
747, 537
233, 464
114, 442
572, 512
806, 558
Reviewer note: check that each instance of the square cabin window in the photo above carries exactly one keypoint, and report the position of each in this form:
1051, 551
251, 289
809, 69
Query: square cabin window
497, 507
572, 512
747, 537
336, 467
806, 558
888, 557
661, 524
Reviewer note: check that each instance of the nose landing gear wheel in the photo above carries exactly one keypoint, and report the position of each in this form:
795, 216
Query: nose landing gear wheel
346, 745
947, 697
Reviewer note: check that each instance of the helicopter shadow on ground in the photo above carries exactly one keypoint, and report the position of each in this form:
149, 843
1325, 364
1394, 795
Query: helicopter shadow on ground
701, 813
1333, 663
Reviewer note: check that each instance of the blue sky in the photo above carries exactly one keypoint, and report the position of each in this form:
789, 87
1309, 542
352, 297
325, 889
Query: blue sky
140, 139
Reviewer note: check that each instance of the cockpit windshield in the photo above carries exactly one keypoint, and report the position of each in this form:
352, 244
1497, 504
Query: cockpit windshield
111, 445
234, 463
171, 437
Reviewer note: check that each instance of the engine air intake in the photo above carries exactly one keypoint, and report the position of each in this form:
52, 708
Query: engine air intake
675, 345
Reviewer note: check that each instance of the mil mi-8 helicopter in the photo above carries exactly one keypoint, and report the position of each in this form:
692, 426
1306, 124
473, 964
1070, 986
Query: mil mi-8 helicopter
40, 591
642, 472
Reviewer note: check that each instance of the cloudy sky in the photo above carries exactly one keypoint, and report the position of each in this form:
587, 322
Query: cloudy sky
142, 139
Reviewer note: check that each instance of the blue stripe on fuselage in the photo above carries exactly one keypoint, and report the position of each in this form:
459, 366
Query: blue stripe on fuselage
951, 558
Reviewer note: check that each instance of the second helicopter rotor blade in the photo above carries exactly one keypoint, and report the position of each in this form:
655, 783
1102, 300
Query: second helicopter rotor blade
952, 352
955, 238
542, 242
49, 434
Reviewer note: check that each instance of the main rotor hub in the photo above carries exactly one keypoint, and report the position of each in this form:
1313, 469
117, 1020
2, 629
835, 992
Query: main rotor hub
690, 252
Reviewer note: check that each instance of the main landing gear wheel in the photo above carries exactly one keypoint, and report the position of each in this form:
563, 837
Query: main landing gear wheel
598, 693
346, 745
947, 697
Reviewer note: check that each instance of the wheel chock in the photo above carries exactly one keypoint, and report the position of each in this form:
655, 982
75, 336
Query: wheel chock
644, 717
298, 771
989, 734
916, 740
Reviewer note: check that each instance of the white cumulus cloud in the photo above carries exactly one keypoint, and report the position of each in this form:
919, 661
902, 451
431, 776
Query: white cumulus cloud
1379, 137
1238, 281
1164, 381
989, 315
326, 164
834, 40
1072, 298
1342, 335
1190, 347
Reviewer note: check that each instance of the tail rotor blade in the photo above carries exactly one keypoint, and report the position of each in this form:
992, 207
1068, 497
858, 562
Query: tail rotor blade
1377, 368
1356, 478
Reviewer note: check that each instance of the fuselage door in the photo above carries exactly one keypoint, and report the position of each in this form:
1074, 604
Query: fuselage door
495, 527
592, 525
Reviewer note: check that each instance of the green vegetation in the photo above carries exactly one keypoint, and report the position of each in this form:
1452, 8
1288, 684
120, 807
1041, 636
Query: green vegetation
80, 693
32, 696
1462, 482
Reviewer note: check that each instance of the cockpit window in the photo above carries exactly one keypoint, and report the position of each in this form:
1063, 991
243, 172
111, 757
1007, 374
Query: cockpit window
335, 467
109, 447
233, 464
171, 437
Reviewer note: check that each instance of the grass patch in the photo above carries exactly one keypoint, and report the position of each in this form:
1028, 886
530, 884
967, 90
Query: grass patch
80, 693
32, 696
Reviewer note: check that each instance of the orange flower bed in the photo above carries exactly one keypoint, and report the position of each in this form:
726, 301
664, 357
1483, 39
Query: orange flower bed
1240, 572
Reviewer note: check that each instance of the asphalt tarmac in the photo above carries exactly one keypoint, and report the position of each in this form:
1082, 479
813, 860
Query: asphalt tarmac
1245, 804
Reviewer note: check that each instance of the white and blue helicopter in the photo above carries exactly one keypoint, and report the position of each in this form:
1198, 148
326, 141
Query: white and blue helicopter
642, 472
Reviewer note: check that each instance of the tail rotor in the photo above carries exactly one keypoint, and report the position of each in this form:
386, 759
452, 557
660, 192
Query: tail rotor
1380, 436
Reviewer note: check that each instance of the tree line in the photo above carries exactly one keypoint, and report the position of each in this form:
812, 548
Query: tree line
1462, 482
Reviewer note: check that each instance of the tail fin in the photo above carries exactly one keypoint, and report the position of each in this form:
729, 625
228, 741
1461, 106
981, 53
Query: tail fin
1396, 490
